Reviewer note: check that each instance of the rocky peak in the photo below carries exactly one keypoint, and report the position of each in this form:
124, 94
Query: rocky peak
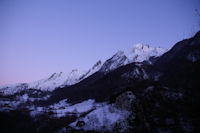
97, 64
74, 70
117, 60
141, 52
137, 53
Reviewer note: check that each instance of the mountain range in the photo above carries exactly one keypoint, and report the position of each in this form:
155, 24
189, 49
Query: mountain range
137, 53
143, 89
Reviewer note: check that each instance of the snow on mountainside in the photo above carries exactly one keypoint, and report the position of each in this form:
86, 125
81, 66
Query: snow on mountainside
13, 88
64, 79
117, 60
55, 80
140, 52
137, 53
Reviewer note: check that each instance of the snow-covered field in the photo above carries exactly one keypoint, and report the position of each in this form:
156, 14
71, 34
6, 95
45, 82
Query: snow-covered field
106, 116
93, 115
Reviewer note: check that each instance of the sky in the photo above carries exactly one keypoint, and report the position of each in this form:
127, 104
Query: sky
40, 37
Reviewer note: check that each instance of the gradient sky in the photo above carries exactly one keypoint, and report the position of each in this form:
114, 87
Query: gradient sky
40, 37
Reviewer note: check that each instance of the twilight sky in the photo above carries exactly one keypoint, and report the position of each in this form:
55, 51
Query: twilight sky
40, 37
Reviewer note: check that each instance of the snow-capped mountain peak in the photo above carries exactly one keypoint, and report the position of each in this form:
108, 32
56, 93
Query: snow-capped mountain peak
56, 80
94, 69
114, 62
54, 76
141, 52
64, 79
137, 53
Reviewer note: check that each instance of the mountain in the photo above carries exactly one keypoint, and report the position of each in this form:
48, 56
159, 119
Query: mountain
143, 89
137, 53
113, 74
140, 53
64, 79
55, 80
180, 64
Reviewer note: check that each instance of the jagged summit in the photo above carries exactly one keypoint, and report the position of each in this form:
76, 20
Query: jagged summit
137, 53
94, 69
97, 64
141, 52
117, 60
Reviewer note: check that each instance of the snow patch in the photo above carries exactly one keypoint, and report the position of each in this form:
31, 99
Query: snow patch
24, 98
6, 105
13, 88
103, 118
62, 108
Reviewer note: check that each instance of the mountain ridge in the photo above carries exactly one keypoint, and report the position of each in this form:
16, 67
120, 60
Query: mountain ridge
137, 53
